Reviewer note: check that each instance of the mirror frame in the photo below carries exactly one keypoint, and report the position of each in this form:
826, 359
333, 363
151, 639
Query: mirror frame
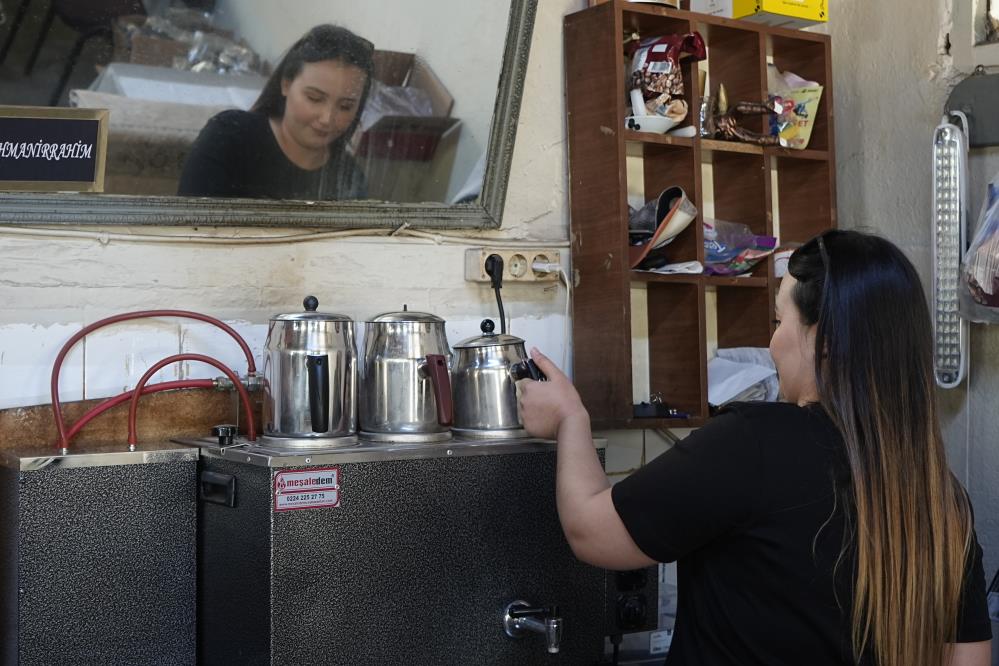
485, 213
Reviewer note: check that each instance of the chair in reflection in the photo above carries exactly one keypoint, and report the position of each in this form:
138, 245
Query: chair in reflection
90, 19
22, 9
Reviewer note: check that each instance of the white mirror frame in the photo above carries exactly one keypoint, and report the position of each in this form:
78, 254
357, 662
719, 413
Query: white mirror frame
485, 213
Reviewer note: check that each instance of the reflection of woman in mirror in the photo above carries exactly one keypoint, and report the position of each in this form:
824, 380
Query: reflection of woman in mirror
290, 144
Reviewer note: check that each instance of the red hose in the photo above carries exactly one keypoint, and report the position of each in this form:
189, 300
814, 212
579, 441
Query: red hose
57, 366
99, 409
251, 431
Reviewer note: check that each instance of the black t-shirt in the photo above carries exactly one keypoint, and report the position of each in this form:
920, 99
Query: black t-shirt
744, 506
237, 155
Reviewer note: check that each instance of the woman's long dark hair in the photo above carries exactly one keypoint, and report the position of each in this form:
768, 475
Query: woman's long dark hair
908, 520
323, 42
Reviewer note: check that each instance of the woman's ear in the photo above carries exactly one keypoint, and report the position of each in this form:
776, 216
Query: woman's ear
285, 87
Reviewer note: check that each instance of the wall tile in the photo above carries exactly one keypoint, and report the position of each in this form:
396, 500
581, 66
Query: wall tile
27, 352
117, 356
204, 338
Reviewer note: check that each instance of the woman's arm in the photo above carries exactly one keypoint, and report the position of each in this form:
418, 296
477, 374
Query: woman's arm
589, 520
969, 654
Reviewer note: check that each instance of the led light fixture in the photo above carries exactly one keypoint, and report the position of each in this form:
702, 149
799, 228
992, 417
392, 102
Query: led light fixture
950, 185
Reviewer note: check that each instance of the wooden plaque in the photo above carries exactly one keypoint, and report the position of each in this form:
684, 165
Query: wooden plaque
52, 149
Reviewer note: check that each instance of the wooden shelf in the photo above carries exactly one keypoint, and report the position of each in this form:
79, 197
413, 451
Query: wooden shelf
751, 149
652, 137
731, 147
673, 309
784, 153
709, 280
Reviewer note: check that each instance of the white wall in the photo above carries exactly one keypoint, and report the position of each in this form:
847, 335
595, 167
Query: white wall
892, 77
461, 40
50, 287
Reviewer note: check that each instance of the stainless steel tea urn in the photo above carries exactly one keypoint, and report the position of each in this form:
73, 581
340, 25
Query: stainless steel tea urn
484, 384
310, 372
405, 386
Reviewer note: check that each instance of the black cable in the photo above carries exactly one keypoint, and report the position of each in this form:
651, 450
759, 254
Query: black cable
494, 269
499, 302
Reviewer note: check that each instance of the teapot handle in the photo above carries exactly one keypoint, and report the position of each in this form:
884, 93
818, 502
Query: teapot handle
319, 391
441, 381
527, 369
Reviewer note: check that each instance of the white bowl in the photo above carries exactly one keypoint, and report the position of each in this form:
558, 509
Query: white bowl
687, 132
654, 124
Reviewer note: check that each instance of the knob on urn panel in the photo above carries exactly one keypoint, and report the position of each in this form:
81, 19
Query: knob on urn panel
225, 433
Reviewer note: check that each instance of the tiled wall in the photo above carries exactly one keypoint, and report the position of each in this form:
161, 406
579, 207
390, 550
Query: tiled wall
111, 360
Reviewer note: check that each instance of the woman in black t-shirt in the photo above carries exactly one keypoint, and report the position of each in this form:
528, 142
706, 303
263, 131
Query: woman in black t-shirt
291, 144
826, 529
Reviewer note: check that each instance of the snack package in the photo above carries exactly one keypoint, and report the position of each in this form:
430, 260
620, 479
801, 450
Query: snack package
798, 101
978, 291
731, 248
656, 74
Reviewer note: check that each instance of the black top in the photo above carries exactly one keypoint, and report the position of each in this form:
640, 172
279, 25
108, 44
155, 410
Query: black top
738, 504
237, 155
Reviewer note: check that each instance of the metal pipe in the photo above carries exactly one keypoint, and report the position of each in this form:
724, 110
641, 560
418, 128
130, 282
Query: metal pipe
244, 396
63, 442
99, 409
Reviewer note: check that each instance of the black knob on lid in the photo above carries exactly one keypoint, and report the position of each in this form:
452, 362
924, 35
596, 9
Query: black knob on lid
487, 326
311, 303
225, 433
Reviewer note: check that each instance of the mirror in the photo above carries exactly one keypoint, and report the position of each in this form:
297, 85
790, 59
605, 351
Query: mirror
448, 169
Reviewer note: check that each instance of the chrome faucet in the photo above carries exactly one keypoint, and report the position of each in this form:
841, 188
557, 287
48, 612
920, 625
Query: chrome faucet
521, 618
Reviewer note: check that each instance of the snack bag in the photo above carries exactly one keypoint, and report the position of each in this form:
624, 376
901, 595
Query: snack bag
978, 290
657, 75
798, 101
731, 248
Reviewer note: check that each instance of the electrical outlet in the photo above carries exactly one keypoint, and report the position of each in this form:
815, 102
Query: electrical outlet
518, 264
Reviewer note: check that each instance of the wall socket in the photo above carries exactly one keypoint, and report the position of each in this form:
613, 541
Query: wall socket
517, 264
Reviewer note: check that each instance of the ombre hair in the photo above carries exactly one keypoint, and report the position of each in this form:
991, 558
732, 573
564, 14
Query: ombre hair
908, 520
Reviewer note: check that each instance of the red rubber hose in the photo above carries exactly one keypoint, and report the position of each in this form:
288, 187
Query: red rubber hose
251, 431
144, 314
100, 408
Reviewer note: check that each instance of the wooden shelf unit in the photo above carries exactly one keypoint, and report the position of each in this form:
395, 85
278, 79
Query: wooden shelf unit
761, 187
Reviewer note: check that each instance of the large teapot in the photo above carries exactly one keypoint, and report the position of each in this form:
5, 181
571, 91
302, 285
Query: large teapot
310, 374
405, 385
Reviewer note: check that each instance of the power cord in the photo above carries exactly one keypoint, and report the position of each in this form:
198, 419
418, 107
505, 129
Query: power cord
494, 269
552, 267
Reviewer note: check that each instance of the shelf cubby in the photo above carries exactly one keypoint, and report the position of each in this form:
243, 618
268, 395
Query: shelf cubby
660, 323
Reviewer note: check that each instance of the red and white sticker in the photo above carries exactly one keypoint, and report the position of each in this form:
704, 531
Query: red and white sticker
307, 489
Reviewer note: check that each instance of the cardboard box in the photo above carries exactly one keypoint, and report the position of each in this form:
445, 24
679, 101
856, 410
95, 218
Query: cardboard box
783, 13
409, 158
133, 45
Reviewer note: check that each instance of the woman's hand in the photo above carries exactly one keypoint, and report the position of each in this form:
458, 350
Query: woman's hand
545, 405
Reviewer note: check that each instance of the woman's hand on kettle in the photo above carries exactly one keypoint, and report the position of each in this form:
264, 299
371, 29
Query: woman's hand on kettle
545, 405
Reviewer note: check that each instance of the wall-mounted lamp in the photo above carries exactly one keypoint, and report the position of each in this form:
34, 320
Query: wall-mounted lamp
950, 196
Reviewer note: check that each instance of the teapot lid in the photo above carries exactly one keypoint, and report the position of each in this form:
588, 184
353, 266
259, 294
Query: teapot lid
311, 303
406, 317
489, 338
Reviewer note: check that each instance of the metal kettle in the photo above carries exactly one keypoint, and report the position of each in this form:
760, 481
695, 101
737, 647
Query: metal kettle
310, 378
405, 384
484, 383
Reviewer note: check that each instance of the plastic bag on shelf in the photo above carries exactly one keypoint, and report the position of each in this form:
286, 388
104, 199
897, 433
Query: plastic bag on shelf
798, 100
656, 83
731, 248
978, 290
